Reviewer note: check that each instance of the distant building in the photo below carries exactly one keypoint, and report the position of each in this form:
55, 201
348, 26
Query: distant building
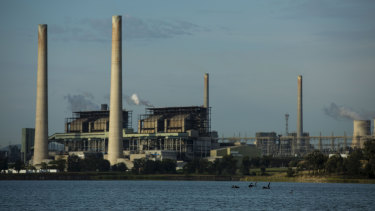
267, 142
27, 144
236, 151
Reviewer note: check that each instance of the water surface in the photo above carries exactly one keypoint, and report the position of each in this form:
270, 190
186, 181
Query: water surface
183, 195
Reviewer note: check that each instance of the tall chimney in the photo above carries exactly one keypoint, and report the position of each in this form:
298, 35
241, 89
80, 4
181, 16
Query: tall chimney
41, 116
115, 112
299, 113
206, 91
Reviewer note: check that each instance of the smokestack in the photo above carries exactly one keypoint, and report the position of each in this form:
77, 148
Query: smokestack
299, 112
115, 112
360, 128
206, 91
41, 114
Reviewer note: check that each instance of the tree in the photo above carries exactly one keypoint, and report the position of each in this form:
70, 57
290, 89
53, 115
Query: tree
18, 165
3, 164
44, 166
369, 155
103, 165
197, 165
353, 162
315, 161
335, 164
246, 164
74, 164
58, 164
138, 166
169, 166
229, 164
122, 167
255, 162
290, 172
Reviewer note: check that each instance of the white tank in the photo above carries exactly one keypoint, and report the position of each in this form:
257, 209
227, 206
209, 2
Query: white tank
360, 128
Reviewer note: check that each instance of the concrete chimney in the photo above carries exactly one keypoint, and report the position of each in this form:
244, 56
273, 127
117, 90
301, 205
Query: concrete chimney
41, 116
115, 111
206, 91
299, 113
360, 128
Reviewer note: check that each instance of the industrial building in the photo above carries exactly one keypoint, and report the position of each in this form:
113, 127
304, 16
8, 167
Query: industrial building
182, 132
27, 144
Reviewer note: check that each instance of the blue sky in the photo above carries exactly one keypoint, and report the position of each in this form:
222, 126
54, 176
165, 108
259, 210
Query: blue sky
253, 50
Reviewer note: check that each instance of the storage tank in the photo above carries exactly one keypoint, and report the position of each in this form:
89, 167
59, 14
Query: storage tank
360, 128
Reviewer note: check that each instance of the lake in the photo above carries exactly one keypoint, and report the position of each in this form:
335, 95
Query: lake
183, 195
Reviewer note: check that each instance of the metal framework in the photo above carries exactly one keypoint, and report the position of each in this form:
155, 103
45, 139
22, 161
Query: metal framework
175, 120
94, 121
287, 145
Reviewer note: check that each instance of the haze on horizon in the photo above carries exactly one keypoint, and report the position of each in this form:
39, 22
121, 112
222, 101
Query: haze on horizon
253, 51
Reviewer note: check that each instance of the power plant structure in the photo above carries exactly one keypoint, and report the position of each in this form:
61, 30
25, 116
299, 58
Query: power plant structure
361, 129
41, 114
167, 132
115, 118
179, 133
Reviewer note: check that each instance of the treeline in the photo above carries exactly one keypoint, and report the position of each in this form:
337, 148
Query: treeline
229, 165
92, 162
143, 166
360, 162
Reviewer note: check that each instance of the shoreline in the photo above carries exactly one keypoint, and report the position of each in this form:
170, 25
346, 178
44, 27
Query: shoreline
181, 177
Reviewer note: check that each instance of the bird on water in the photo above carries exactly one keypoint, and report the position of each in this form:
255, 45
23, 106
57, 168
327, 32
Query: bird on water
267, 187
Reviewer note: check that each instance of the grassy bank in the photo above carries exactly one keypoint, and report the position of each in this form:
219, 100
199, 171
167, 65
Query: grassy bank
272, 175
280, 175
114, 176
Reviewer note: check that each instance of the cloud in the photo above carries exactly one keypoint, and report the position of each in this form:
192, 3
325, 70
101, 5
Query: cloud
99, 30
81, 102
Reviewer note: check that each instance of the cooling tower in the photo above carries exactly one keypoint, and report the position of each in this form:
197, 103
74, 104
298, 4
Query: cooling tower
360, 128
115, 114
41, 114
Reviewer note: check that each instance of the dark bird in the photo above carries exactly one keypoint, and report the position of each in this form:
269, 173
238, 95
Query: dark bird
267, 187
251, 185
235, 186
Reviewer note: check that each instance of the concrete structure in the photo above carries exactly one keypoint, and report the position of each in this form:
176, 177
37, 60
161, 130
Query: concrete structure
236, 151
41, 117
115, 115
206, 91
299, 114
360, 128
27, 144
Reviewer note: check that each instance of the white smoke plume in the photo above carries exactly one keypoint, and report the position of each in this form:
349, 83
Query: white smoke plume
135, 100
341, 113
81, 102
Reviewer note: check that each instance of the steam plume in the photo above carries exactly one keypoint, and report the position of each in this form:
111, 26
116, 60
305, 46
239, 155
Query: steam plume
135, 100
81, 102
341, 112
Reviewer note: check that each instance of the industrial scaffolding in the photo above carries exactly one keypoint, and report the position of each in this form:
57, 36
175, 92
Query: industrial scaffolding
175, 120
94, 121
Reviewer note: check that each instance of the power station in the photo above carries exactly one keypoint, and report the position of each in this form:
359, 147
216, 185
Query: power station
178, 133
